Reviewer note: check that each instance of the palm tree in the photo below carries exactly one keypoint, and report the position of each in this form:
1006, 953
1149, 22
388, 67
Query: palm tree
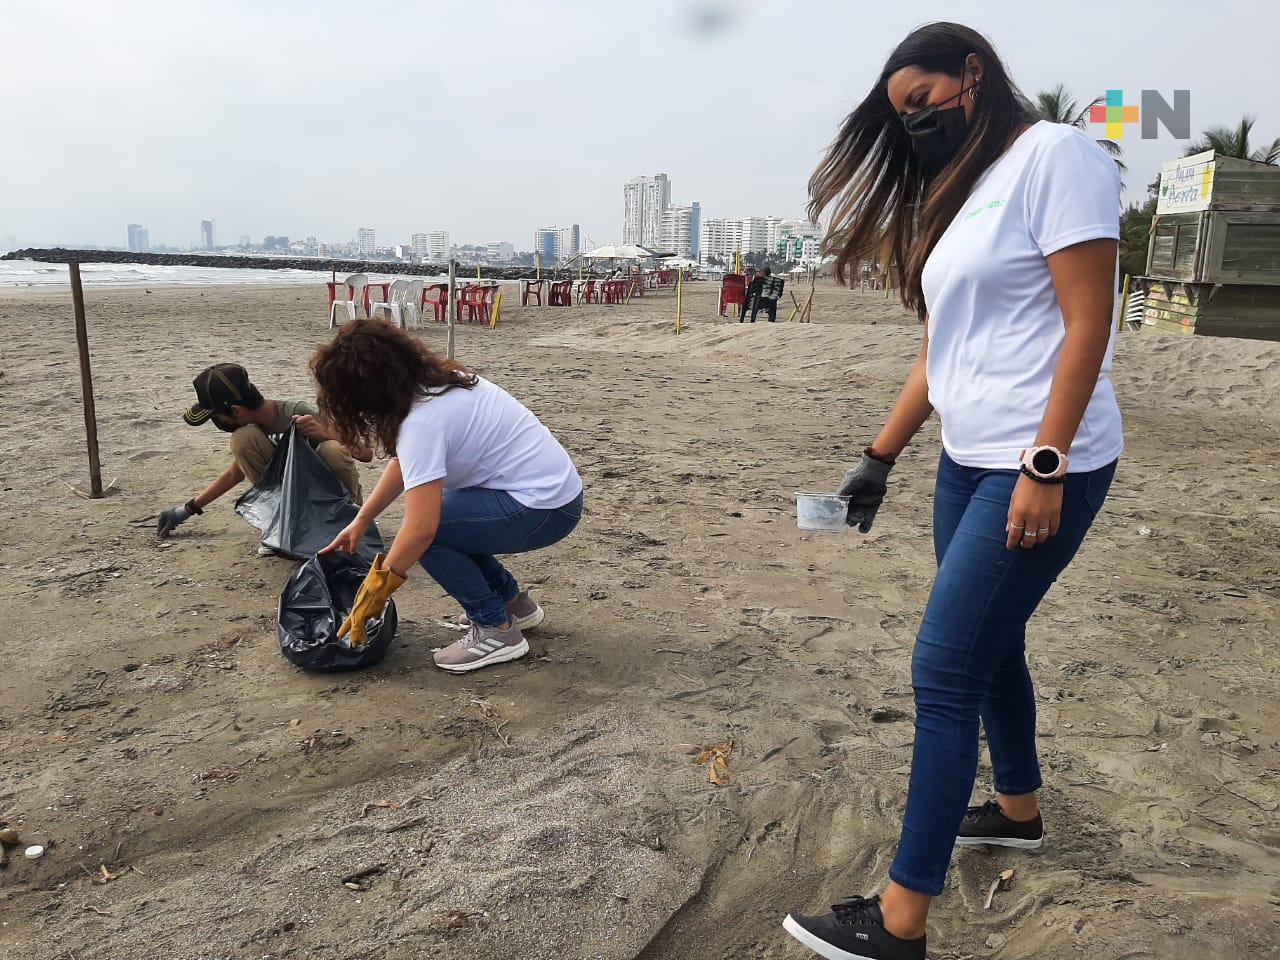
1235, 143
1058, 106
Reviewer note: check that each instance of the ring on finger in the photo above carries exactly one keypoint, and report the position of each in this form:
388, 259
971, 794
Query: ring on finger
1042, 531
1029, 535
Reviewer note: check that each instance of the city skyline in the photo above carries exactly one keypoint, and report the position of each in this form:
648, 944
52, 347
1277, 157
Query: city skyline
257, 149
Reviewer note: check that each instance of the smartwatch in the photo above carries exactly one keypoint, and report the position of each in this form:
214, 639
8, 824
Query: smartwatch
1047, 464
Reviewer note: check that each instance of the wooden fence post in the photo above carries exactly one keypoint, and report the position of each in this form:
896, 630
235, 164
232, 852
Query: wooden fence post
86, 382
453, 307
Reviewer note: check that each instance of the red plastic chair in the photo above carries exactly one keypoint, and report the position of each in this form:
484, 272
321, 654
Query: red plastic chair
437, 295
561, 294
529, 290
587, 293
477, 300
733, 291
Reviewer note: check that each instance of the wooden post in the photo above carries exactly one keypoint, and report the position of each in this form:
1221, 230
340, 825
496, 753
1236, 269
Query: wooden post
452, 308
497, 305
537, 265
679, 300
86, 382
1124, 304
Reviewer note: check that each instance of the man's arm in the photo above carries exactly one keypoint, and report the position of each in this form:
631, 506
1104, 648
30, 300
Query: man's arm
318, 431
229, 478
170, 520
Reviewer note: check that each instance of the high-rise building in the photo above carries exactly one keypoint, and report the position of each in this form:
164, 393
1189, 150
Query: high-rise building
681, 231
499, 252
788, 239
207, 238
644, 200
557, 244
438, 249
365, 242
720, 238
568, 242
544, 243
754, 234
418, 242
139, 241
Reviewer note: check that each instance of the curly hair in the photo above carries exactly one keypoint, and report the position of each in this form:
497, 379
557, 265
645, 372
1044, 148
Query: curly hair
371, 373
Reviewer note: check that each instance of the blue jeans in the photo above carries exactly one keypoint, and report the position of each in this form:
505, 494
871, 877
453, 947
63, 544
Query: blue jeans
477, 523
969, 660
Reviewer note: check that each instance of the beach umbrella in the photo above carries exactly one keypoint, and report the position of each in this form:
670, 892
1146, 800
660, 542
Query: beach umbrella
622, 251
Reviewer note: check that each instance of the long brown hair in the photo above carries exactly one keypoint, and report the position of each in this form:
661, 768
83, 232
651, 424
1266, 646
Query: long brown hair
884, 203
371, 373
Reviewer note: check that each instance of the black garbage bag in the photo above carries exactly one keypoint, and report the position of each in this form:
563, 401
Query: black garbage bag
300, 505
313, 605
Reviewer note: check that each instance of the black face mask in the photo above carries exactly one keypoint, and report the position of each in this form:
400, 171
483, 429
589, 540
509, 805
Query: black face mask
937, 134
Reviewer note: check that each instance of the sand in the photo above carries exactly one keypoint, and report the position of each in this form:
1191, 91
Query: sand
551, 808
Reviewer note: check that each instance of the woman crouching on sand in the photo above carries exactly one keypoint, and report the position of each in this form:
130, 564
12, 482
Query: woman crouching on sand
480, 475
1005, 230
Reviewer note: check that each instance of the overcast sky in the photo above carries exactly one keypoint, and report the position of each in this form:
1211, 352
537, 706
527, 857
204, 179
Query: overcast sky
489, 119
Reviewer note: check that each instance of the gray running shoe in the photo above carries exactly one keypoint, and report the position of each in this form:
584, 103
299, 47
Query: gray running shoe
482, 646
524, 610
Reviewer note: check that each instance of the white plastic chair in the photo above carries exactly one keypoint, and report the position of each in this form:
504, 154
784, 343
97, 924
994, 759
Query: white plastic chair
413, 302
397, 304
355, 285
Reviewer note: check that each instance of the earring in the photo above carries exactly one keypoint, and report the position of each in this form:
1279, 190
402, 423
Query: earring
973, 91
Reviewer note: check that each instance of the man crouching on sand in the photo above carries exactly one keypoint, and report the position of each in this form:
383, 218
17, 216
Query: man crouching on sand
225, 396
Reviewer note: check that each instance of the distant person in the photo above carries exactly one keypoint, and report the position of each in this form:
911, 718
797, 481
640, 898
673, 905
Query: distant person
756, 298
1003, 229
480, 474
226, 398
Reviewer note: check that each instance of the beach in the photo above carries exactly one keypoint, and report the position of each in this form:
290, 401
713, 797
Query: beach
198, 797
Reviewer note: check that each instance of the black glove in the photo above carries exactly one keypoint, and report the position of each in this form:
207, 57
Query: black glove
865, 487
170, 520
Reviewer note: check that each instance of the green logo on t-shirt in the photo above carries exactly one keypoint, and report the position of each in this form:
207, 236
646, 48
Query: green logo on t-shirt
994, 204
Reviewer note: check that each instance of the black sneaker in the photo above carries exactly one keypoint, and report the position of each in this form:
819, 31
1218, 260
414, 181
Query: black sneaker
853, 930
987, 826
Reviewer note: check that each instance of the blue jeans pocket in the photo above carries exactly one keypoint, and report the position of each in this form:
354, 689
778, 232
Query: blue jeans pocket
1097, 484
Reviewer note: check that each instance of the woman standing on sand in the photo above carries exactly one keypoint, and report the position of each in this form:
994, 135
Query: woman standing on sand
480, 476
1005, 229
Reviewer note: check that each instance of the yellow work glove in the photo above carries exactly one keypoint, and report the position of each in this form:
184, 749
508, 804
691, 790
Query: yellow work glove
380, 583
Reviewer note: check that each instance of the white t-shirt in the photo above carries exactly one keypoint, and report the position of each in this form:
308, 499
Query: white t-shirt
995, 328
484, 437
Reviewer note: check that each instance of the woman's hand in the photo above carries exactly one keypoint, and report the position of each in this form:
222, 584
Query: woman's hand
1035, 511
349, 539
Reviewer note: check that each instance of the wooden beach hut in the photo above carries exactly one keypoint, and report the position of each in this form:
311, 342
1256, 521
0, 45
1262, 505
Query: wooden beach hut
1213, 262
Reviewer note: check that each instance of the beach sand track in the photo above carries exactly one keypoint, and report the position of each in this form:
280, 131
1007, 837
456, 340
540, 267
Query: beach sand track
147, 710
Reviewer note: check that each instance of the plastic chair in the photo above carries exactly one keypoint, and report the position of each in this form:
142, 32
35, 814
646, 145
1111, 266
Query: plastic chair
438, 296
587, 292
413, 302
733, 292
477, 299
529, 290
397, 296
355, 285
561, 294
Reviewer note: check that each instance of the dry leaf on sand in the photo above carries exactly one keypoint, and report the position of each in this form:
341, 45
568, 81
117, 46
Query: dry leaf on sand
718, 758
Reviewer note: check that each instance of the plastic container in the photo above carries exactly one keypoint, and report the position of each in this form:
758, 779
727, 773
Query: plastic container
823, 512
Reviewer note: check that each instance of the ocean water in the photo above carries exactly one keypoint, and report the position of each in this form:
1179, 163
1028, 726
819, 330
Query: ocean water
29, 273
